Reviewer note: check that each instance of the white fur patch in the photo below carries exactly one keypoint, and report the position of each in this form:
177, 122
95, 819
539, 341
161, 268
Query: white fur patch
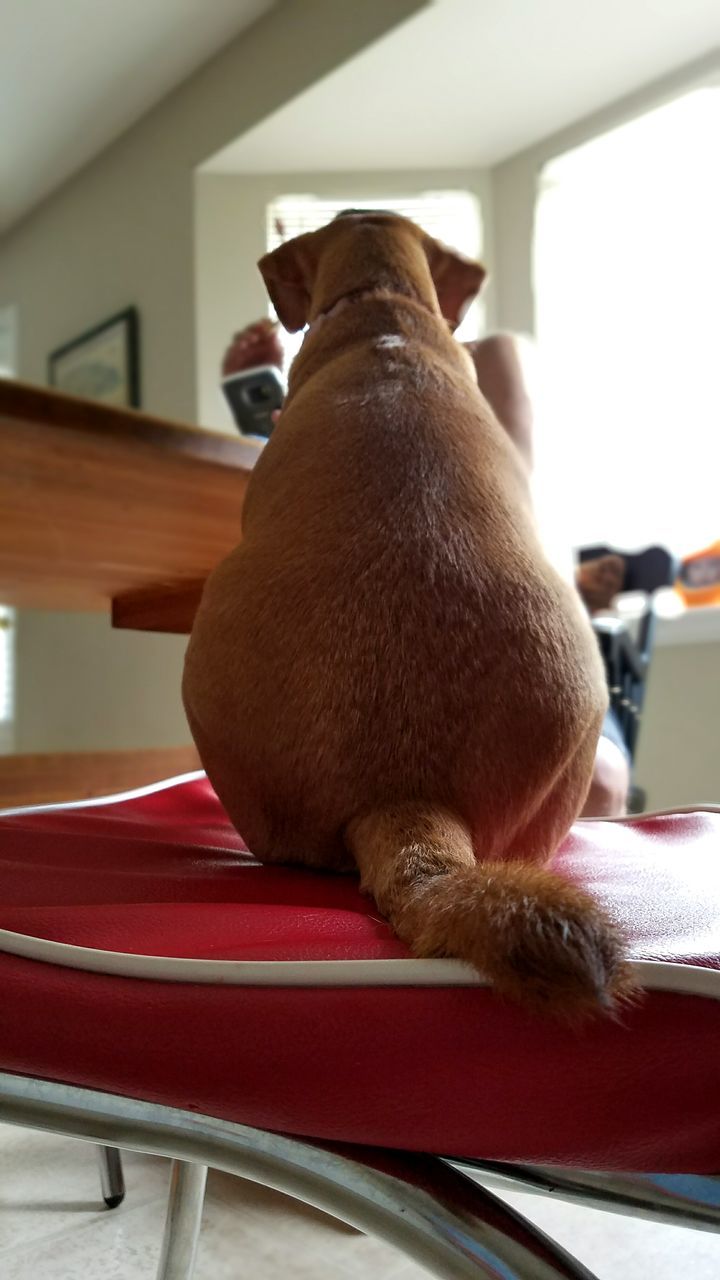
389, 340
384, 391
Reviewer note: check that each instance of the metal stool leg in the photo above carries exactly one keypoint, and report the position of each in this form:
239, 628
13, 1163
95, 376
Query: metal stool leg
182, 1224
111, 1176
431, 1212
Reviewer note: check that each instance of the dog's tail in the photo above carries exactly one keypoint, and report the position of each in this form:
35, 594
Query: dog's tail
534, 936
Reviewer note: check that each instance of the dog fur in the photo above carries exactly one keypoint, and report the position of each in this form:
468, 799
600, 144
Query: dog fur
387, 674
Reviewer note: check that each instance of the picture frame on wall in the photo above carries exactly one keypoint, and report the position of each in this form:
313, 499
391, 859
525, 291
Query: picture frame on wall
103, 363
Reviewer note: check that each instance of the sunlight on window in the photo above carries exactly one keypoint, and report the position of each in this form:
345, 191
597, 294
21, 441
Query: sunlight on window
627, 287
452, 217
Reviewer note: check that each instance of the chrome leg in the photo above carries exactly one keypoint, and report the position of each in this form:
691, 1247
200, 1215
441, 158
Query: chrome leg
111, 1176
422, 1206
682, 1199
182, 1224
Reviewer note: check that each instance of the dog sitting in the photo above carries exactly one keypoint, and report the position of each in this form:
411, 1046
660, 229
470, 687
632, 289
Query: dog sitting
386, 674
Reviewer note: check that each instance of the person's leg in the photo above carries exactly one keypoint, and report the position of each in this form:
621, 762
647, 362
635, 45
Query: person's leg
502, 380
608, 794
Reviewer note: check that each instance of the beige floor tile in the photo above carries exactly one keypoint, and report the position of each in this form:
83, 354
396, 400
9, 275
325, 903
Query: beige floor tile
620, 1248
52, 1228
284, 1237
123, 1244
49, 1184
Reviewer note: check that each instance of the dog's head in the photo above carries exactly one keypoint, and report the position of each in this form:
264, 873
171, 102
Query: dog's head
362, 250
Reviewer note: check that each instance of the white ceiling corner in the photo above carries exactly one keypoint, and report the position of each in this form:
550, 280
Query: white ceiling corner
74, 74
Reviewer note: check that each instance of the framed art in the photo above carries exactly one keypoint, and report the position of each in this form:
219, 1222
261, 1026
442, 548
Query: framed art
102, 364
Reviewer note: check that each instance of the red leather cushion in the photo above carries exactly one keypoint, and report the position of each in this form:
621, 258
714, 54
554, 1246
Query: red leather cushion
449, 1070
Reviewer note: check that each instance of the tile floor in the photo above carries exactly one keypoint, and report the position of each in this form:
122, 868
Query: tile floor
52, 1228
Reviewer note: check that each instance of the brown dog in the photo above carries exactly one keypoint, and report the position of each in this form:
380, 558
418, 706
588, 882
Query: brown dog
386, 673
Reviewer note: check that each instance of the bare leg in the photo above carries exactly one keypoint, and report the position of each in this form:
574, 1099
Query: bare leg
607, 797
501, 379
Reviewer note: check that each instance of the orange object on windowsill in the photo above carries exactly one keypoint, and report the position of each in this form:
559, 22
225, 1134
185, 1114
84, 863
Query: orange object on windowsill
698, 582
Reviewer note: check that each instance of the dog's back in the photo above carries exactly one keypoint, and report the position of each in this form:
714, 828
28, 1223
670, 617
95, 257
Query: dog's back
387, 651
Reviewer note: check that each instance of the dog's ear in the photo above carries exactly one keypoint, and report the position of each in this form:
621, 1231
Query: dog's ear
288, 273
457, 280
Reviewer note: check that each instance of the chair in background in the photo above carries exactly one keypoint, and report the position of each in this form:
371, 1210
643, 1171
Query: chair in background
163, 992
627, 653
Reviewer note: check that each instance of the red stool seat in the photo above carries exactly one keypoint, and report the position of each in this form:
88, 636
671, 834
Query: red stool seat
440, 1065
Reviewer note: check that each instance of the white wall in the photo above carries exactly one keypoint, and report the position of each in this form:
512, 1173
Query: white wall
83, 687
678, 759
230, 237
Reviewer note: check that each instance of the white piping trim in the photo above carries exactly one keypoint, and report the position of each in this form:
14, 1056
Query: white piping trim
655, 813
136, 794
198, 774
652, 975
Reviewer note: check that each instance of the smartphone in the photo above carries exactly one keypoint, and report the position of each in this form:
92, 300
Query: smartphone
253, 396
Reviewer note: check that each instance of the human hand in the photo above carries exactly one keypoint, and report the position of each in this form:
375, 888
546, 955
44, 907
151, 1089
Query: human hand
256, 344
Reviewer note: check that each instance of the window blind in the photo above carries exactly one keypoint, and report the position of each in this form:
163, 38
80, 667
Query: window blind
453, 217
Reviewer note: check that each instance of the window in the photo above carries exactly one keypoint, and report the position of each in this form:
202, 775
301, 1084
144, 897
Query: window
627, 287
450, 216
